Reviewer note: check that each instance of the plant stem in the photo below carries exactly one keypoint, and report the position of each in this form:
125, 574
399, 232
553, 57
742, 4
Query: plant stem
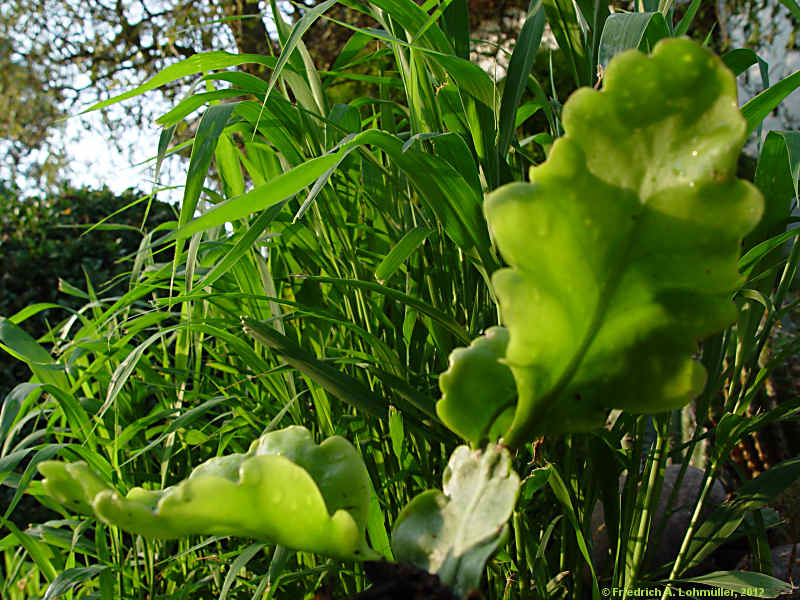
708, 482
652, 495
519, 546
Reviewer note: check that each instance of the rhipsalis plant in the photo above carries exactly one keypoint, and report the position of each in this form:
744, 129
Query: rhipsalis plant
622, 254
454, 534
623, 251
285, 490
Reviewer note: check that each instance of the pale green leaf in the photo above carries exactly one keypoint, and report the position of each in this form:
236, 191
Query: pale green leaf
624, 249
285, 490
454, 533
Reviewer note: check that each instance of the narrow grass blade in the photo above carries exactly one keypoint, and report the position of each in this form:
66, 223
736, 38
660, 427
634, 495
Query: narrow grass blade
776, 177
723, 521
320, 183
562, 494
190, 104
126, 367
741, 59
211, 125
757, 252
199, 63
68, 579
568, 33
272, 192
245, 556
456, 24
226, 156
243, 245
422, 307
468, 76
400, 253
793, 7
355, 44
624, 31
306, 21
688, 17
185, 419
31, 310
376, 527
519, 68
344, 387
413, 19
22, 346
39, 552
12, 404
744, 583
758, 108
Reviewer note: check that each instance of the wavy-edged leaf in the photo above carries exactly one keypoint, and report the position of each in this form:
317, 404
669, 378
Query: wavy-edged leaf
285, 490
454, 533
624, 249
478, 390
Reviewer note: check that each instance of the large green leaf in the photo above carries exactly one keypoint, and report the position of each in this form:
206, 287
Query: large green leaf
454, 533
624, 249
285, 490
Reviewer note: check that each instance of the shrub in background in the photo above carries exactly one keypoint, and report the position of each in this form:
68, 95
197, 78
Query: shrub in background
44, 240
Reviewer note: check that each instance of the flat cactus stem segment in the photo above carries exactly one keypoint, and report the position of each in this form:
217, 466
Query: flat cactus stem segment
623, 250
478, 389
454, 532
285, 490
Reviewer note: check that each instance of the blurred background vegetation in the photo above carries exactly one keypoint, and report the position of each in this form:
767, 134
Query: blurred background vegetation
46, 254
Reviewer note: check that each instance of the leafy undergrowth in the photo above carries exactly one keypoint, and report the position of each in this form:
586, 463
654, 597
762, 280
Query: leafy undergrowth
352, 237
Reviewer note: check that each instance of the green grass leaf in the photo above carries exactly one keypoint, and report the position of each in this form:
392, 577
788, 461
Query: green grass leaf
757, 109
69, 578
400, 252
563, 20
626, 31
22, 346
519, 68
341, 385
245, 556
199, 63
745, 583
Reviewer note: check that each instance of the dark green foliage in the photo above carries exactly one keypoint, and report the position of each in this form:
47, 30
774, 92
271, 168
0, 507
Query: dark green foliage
45, 240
